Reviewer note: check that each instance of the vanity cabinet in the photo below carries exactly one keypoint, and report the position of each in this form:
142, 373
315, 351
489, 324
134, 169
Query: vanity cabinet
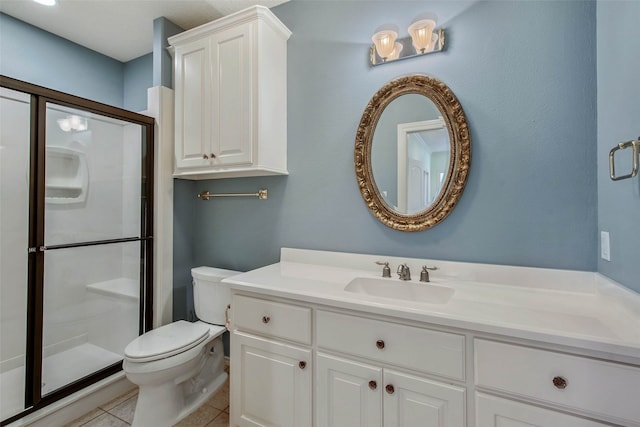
352, 393
273, 382
271, 376
596, 388
230, 97
372, 370
492, 411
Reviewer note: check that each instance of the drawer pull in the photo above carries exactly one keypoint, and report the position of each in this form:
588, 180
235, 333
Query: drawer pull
560, 383
302, 364
373, 385
266, 319
380, 344
204, 156
389, 388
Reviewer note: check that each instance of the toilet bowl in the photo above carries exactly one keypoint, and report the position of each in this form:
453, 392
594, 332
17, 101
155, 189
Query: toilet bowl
178, 366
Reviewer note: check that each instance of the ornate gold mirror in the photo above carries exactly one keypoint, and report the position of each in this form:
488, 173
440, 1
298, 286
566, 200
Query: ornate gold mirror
412, 153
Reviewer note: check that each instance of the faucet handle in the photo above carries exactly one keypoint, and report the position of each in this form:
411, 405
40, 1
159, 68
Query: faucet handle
424, 274
386, 271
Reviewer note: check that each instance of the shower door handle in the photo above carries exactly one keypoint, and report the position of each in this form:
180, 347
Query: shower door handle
33, 250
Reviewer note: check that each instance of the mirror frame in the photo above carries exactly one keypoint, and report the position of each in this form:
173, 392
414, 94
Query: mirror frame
459, 161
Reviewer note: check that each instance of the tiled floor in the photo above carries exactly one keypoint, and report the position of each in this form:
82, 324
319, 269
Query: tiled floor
119, 412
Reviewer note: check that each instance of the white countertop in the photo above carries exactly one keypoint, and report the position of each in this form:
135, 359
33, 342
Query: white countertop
570, 308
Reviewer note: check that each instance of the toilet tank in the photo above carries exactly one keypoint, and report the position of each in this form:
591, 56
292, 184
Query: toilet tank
210, 295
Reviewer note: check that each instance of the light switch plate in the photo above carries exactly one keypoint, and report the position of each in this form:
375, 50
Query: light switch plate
605, 250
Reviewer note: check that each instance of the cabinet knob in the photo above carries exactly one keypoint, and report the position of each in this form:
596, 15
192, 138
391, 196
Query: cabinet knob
560, 383
380, 344
302, 364
266, 319
389, 388
204, 156
373, 385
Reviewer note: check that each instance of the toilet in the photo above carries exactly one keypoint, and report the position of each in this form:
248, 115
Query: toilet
178, 366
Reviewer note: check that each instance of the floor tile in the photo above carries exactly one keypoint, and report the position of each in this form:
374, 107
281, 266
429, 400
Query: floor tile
220, 400
85, 418
106, 420
118, 400
200, 417
221, 420
125, 410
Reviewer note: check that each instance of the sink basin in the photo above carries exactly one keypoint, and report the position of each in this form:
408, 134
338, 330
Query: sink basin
397, 289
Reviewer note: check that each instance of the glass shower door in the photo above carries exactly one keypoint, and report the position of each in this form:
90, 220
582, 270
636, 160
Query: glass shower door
15, 142
93, 262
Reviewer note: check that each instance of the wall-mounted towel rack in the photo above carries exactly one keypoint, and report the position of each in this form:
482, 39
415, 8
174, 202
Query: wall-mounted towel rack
261, 194
635, 153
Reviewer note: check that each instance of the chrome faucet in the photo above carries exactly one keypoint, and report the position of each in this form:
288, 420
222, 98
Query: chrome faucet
403, 272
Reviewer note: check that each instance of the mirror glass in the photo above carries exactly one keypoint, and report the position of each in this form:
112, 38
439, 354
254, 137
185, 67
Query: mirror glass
410, 153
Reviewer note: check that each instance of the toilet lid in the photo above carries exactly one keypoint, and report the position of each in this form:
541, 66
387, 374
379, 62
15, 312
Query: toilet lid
166, 341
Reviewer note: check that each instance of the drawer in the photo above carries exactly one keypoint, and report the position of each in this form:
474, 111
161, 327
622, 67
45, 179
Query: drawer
593, 386
275, 319
420, 349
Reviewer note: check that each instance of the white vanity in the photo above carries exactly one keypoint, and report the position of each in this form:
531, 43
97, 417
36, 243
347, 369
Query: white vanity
321, 339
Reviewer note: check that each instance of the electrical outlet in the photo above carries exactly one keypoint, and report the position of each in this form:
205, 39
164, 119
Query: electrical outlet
605, 250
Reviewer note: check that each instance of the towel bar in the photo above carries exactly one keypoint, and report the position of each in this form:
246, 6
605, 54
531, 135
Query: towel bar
635, 149
261, 194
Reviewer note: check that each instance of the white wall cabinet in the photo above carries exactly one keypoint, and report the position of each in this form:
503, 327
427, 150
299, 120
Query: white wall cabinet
231, 90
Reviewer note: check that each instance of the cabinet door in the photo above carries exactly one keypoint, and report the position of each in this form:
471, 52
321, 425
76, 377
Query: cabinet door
493, 411
411, 401
193, 104
347, 393
233, 93
270, 383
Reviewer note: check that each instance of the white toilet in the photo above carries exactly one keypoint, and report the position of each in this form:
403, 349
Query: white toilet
177, 367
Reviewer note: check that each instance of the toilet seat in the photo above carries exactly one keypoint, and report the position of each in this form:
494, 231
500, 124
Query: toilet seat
166, 341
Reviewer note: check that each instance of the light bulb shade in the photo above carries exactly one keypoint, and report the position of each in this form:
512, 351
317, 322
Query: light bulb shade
385, 43
421, 35
395, 54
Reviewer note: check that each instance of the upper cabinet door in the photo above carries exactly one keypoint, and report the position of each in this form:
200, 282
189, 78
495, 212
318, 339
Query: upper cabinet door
233, 92
193, 104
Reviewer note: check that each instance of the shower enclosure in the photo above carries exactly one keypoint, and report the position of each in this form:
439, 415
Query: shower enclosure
75, 242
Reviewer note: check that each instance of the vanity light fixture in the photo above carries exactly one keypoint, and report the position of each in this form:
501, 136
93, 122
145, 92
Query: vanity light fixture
424, 39
385, 43
46, 2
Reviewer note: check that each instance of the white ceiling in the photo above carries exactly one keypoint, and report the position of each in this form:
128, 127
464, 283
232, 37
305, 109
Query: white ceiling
121, 29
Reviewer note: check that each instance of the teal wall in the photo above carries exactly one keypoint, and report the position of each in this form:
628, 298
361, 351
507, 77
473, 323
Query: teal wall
525, 73
619, 120
138, 77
